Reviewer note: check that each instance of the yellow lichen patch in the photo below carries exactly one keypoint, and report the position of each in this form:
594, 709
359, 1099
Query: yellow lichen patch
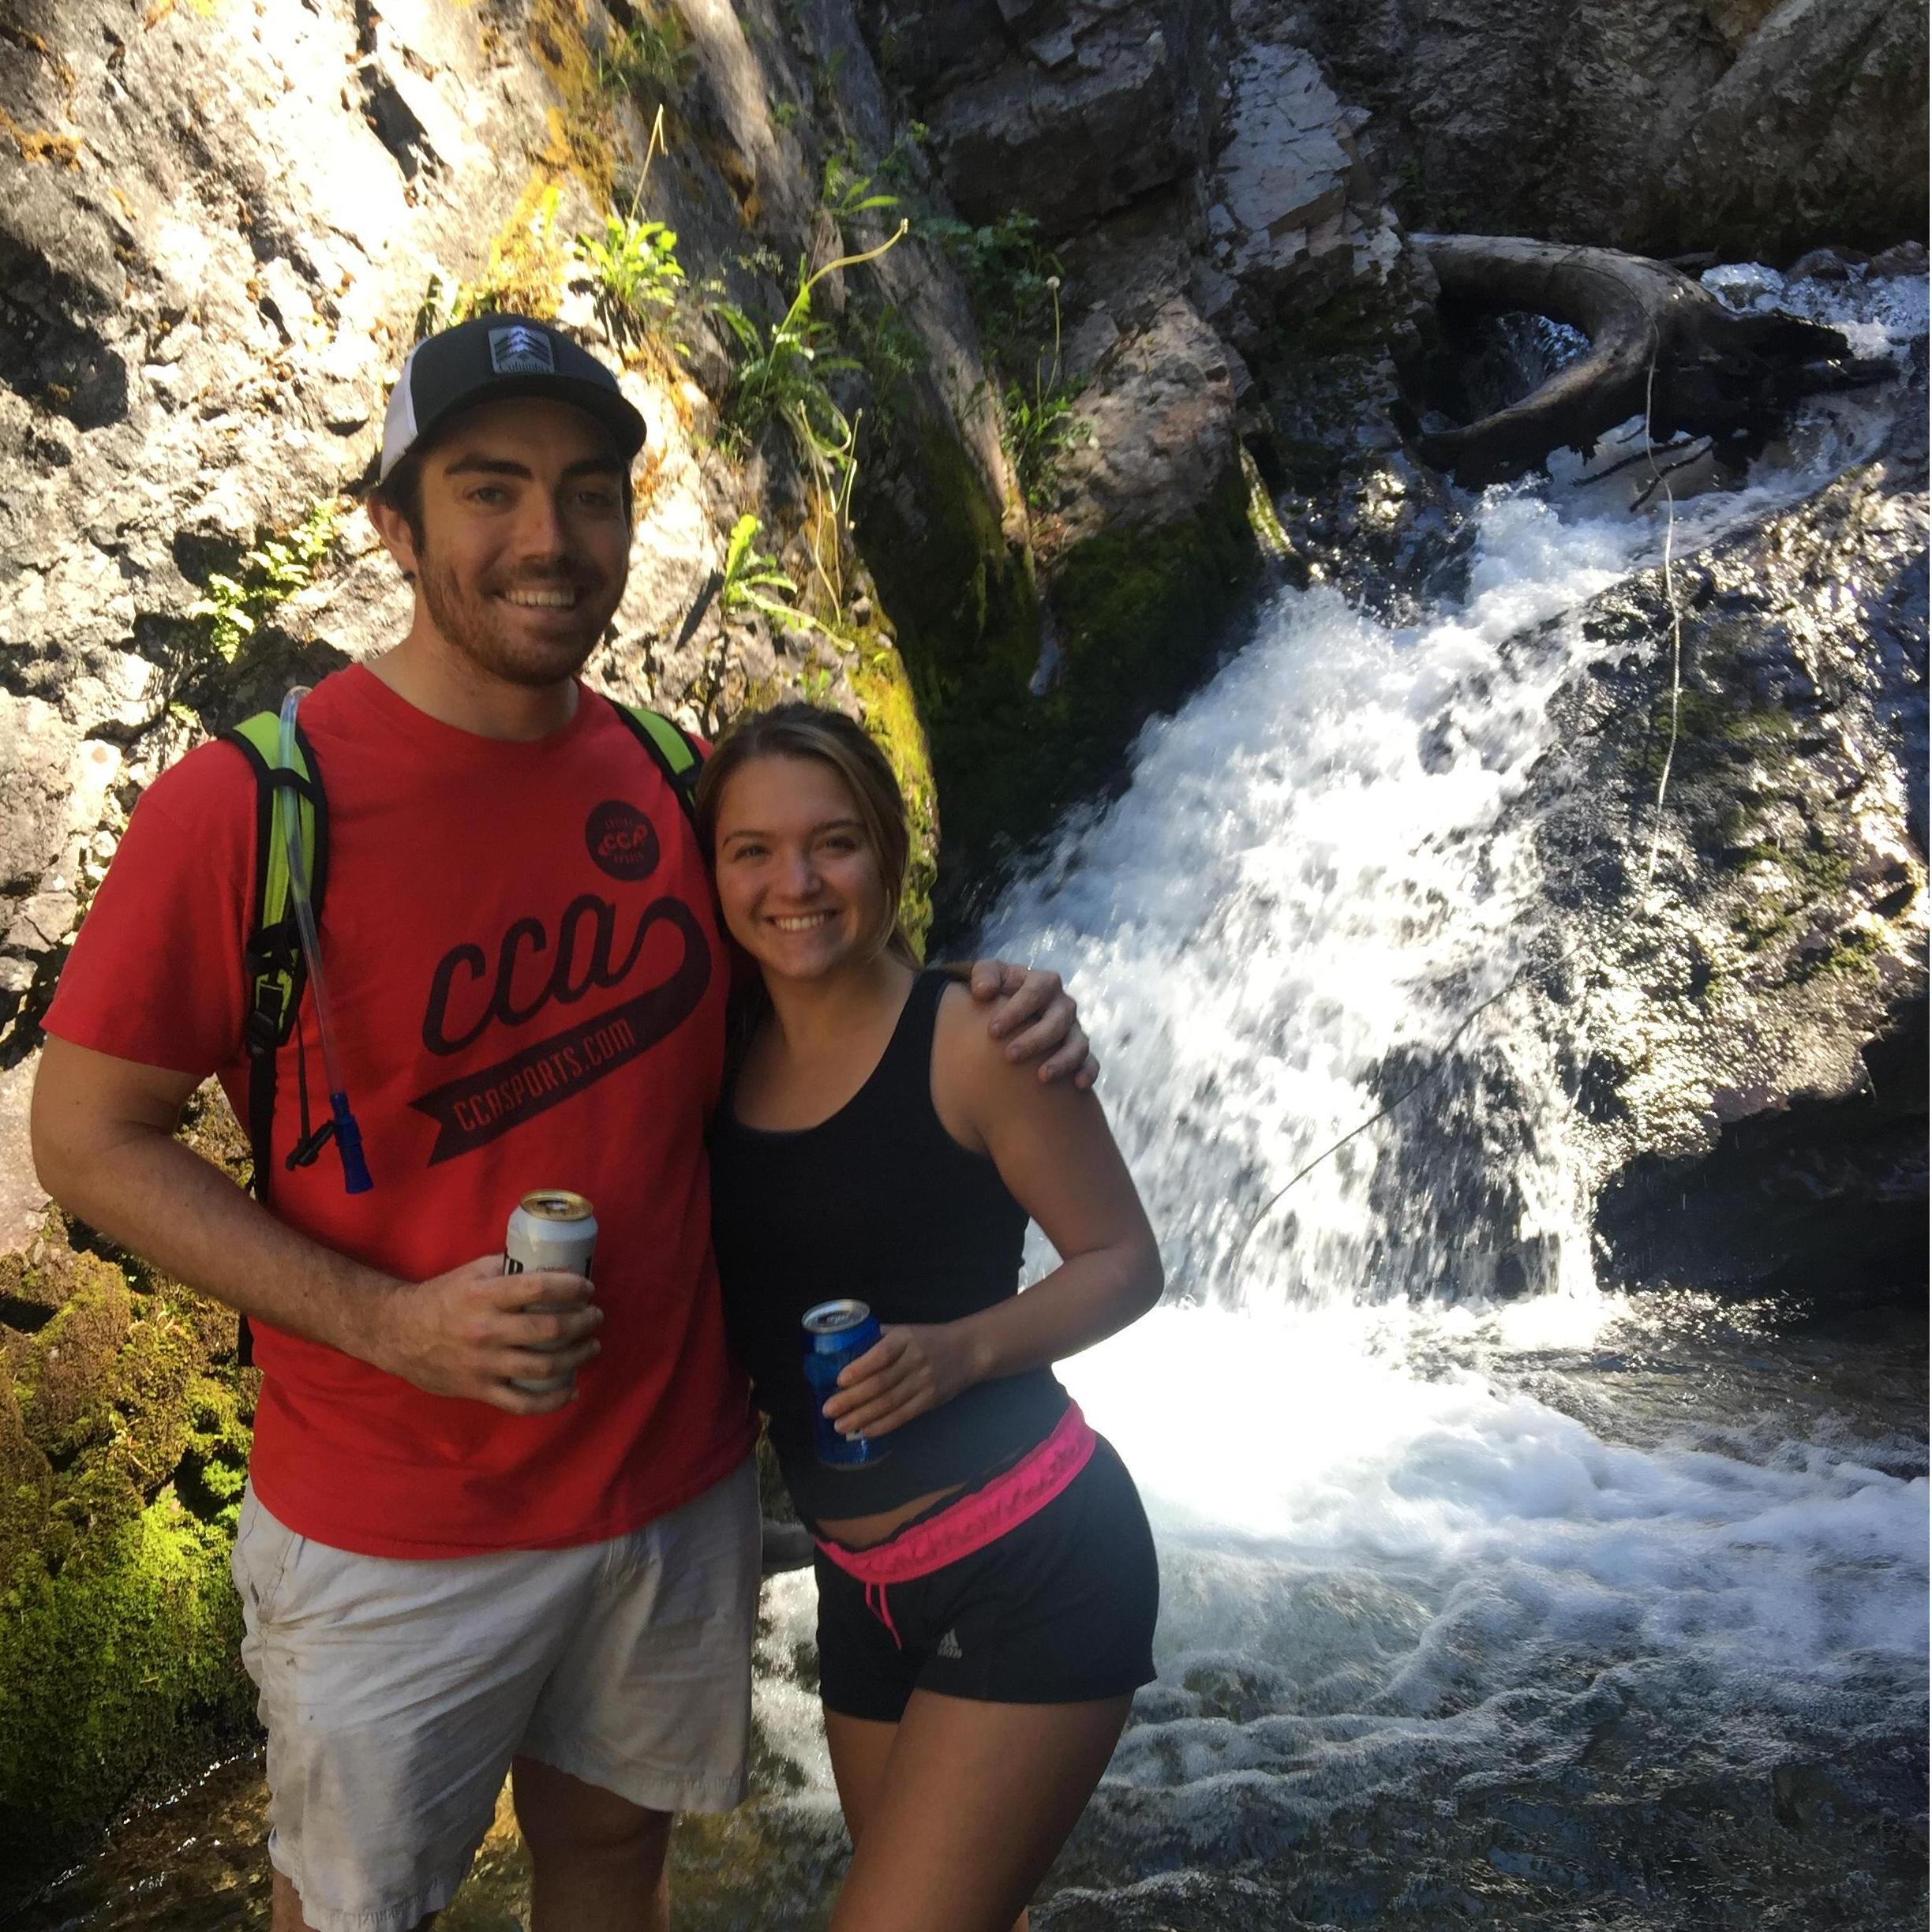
38, 144
528, 259
583, 129
646, 479
32, 43
159, 10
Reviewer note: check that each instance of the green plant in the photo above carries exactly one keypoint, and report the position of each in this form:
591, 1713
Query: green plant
651, 56
1011, 276
635, 269
230, 608
633, 266
1040, 429
782, 377
782, 372
902, 164
785, 114
844, 192
750, 577
437, 309
887, 347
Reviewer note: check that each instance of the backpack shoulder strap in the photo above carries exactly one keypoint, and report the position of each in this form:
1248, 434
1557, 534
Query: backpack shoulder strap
672, 749
272, 956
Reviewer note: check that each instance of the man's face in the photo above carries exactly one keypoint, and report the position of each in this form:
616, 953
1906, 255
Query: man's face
525, 539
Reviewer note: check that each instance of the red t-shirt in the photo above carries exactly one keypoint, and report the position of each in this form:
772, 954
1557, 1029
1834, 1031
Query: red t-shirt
526, 986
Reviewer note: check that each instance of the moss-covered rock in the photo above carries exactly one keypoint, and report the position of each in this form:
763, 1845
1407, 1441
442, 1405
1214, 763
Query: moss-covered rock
124, 1441
1135, 616
891, 712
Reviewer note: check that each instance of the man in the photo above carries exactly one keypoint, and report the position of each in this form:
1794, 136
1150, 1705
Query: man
445, 1573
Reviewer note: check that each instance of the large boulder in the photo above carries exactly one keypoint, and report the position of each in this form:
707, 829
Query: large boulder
1738, 997
1654, 125
1070, 111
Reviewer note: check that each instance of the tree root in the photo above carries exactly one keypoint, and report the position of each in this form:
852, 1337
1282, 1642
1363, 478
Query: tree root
1732, 378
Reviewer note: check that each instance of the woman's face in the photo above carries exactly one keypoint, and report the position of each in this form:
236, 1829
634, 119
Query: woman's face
797, 877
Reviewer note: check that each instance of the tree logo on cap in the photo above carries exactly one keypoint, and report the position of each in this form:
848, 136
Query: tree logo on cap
522, 351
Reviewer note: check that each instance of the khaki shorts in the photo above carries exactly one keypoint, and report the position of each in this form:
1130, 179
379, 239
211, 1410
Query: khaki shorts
396, 1692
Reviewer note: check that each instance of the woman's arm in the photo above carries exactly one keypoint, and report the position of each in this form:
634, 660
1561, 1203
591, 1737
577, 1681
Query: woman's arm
1053, 1150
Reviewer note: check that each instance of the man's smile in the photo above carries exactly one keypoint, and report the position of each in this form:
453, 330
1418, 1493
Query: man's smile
555, 597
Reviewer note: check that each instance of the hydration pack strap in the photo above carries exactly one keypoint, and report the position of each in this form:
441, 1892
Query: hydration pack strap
271, 957
672, 750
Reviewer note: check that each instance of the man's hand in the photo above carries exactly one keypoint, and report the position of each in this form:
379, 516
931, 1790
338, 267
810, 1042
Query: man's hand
1035, 1016
908, 1370
470, 1332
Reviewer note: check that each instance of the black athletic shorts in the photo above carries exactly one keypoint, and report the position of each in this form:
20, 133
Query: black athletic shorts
1059, 1610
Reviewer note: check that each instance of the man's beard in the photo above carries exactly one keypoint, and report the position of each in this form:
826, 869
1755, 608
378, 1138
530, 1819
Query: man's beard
477, 625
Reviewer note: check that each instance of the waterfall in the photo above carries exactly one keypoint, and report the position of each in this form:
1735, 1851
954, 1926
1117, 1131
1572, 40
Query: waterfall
1314, 879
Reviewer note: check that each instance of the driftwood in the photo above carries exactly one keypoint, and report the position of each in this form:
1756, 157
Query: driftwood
1654, 332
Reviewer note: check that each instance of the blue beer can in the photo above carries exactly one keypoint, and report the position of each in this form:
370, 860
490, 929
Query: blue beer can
837, 1333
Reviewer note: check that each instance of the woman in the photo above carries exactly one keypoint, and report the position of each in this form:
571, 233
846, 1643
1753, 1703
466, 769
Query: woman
986, 1581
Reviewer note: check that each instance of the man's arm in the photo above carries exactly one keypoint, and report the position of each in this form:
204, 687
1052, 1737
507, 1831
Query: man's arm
104, 1147
1034, 1015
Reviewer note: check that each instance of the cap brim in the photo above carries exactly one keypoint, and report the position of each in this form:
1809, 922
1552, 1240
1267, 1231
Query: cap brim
605, 405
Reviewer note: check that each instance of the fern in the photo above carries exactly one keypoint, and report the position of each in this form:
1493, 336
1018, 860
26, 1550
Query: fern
635, 273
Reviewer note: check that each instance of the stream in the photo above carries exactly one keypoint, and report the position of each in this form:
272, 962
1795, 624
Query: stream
1489, 1596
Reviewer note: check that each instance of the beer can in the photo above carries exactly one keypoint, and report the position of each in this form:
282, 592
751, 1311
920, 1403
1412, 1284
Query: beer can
837, 1333
549, 1228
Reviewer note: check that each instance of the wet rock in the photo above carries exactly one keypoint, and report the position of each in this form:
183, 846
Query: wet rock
1785, 928
1907, 259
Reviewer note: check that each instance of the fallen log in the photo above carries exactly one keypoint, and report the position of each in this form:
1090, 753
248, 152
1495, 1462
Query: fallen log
1658, 338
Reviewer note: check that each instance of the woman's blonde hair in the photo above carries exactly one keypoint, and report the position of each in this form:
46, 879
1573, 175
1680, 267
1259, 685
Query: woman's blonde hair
807, 730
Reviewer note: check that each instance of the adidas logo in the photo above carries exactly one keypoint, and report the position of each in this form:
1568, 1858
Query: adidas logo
521, 351
949, 1646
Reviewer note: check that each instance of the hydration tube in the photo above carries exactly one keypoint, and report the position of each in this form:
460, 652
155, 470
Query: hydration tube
288, 821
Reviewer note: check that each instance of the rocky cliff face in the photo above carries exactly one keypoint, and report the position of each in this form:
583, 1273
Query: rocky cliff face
1193, 186
217, 247
1757, 128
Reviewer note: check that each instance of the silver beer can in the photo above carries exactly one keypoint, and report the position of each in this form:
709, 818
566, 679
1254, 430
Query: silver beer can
550, 1228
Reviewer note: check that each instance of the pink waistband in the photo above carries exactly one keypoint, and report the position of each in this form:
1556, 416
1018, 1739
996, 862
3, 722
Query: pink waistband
964, 1528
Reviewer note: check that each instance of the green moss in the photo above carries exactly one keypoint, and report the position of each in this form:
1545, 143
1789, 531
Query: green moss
1137, 613
124, 1441
1713, 733
111, 1660
884, 692
961, 596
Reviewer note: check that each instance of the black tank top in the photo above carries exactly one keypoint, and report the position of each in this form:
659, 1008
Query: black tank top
881, 1204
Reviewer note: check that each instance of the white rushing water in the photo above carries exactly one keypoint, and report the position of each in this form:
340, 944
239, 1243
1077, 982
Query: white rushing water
1373, 1535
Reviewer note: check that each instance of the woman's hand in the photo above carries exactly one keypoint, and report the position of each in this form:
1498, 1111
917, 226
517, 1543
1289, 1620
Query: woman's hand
908, 1371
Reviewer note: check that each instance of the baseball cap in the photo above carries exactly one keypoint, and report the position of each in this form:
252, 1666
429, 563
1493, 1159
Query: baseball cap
492, 357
